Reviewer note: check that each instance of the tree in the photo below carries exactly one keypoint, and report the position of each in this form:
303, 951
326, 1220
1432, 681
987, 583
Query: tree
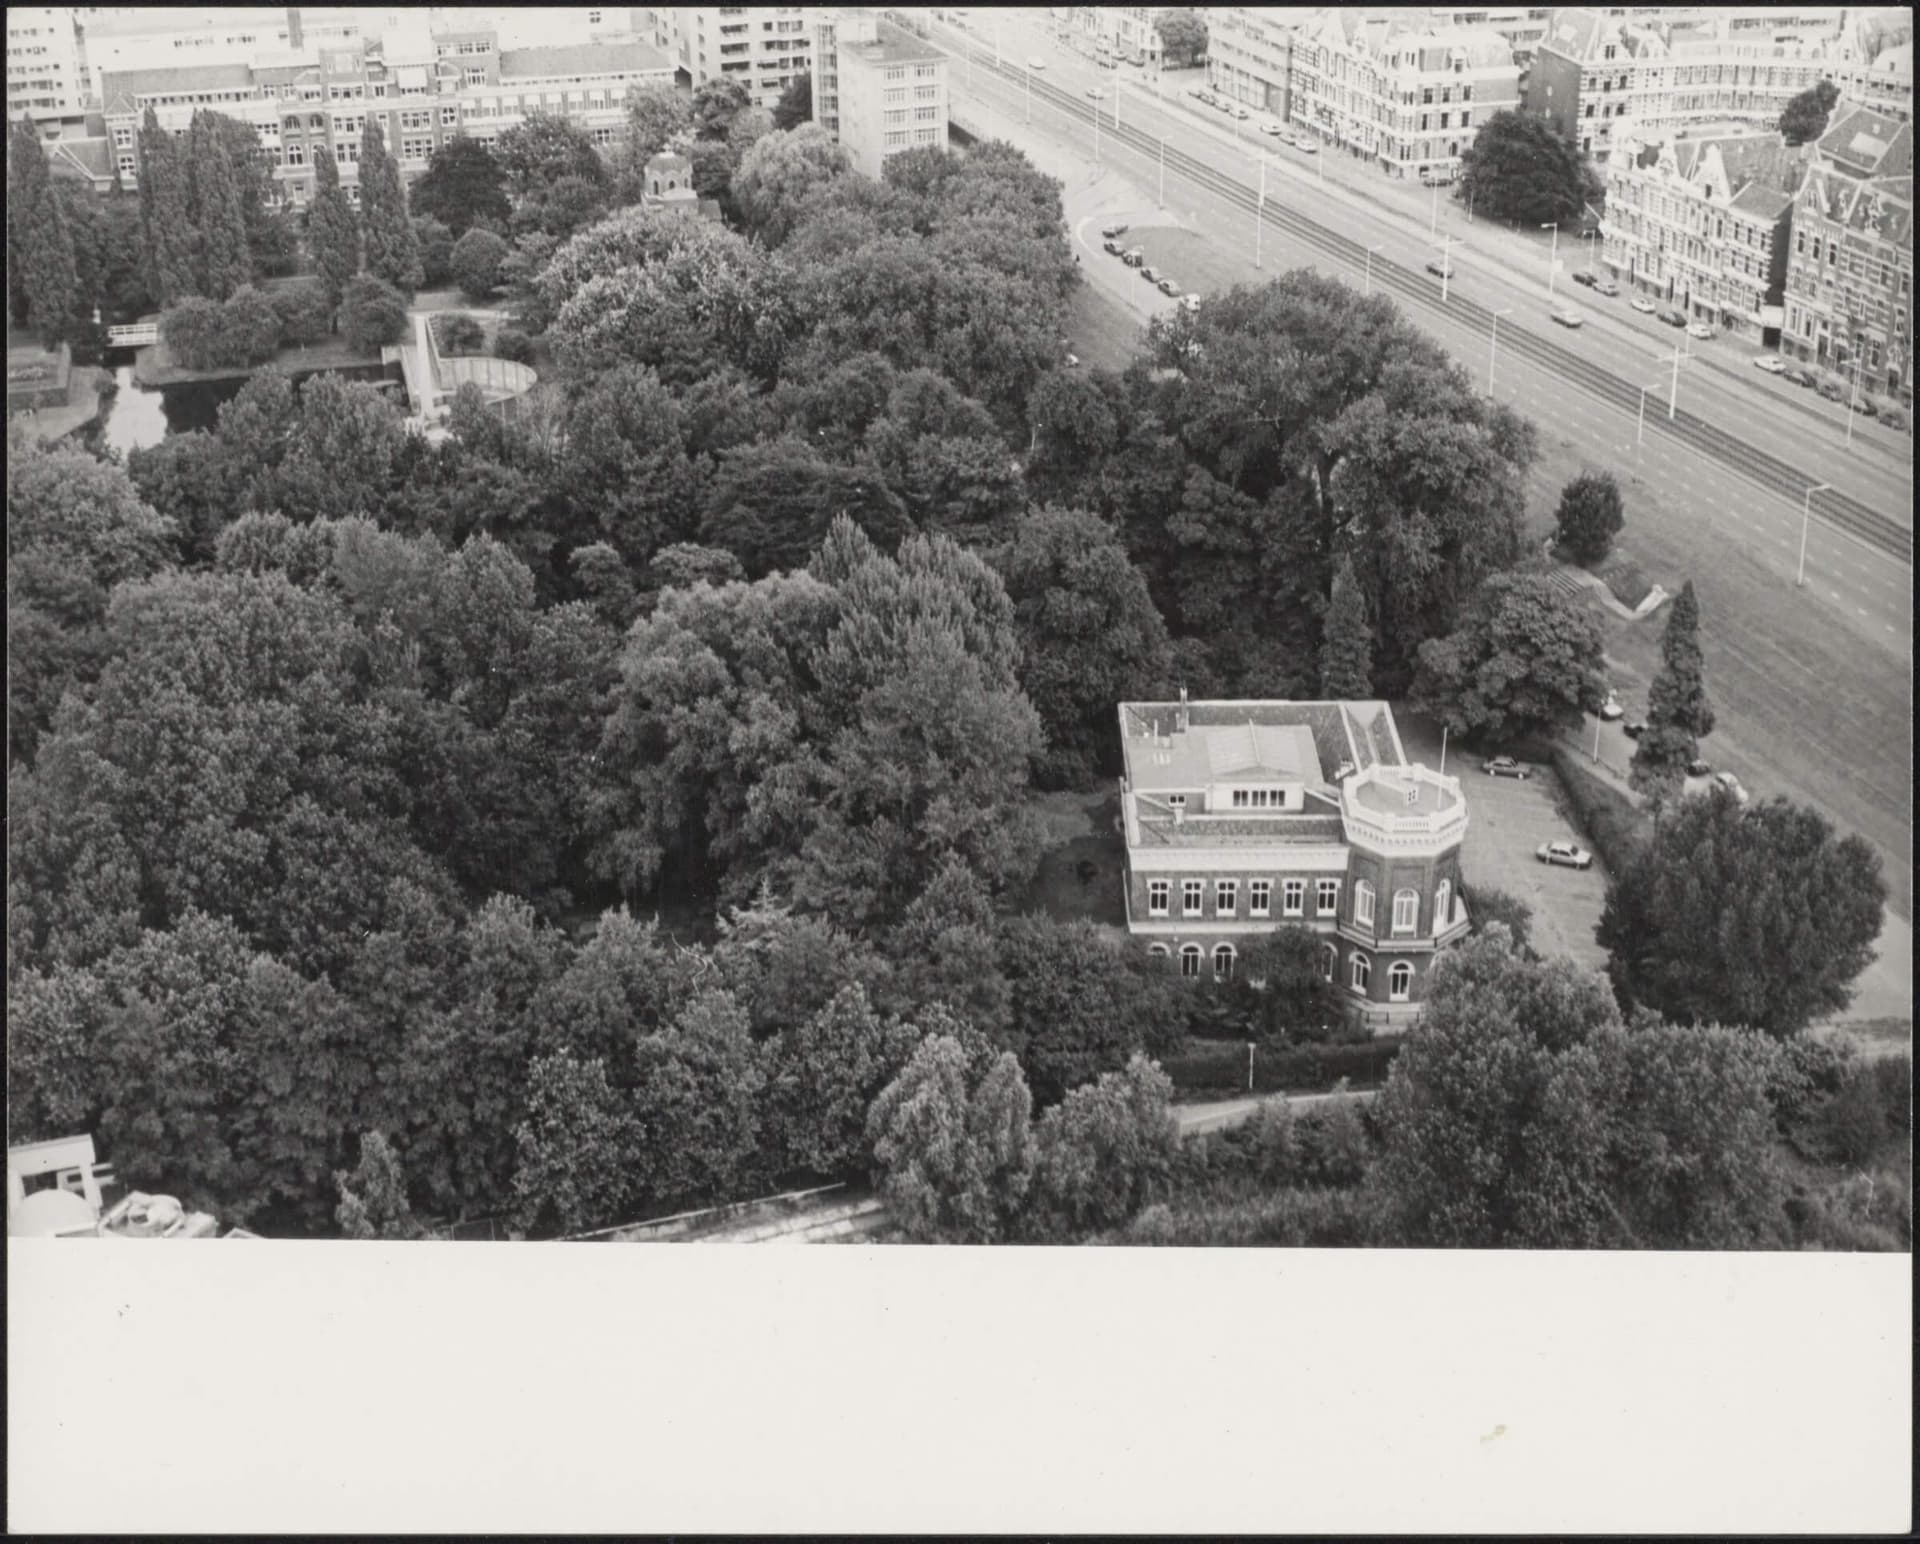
697, 1096
304, 312
771, 503
392, 246
217, 210
252, 324
716, 104
1293, 999
166, 222
656, 116
1589, 516
1346, 641
333, 231
826, 1071
1804, 119
474, 263
373, 1198
41, 238
624, 466
436, 251
1183, 34
775, 176
462, 187
1486, 906
1679, 714
1520, 167
795, 106
1090, 635
953, 1144
372, 314
1526, 661
543, 148
1103, 1153
1743, 916
576, 1147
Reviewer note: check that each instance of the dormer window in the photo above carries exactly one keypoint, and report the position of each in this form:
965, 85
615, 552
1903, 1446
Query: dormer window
1259, 798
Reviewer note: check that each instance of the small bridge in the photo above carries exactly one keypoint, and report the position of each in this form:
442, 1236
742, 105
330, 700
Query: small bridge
134, 335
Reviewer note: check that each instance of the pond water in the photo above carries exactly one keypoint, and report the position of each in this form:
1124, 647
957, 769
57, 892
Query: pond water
144, 415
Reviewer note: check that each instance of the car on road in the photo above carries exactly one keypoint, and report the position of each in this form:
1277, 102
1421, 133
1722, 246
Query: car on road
1643, 305
1036, 63
1133, 257
1800, 377
1168, 287
1111, 247
1150, 274
1189, 302
1605, 286
1268, 126
1207, 98
1701, 331
1633, 728
1672, 317
1564, 855
1566, 316
1095, 92
1699, 767
1833, 391
1773, 364
1505, 766
1241, 112
1114, 230
1611, 709
1584, 276
1440, 268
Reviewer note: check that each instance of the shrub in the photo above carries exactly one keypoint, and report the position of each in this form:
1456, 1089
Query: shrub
1487, 905
511, 343
436, 250
372, 314
1220, 1067
1589, 516
305, 317
192, 331
1328, 1219
1853, 1122
458, 334
1894, 1074
474, 262
1605, 815
251, 326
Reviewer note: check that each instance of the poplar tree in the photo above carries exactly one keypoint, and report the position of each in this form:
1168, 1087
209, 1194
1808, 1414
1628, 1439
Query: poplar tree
220, 219
1679, 714
333, 231
393, 247
1346, 645
166, 225
43, 243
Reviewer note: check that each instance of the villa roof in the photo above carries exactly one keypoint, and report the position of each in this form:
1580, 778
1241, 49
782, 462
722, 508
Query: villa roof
121, 90
1294, 741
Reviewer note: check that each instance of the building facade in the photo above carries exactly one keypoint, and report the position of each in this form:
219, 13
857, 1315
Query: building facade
46, 65
1395, 89
423, 89
763, 47
1702, 224
1250, 53
1582, 79
880, 89
1849, 285
1245, 817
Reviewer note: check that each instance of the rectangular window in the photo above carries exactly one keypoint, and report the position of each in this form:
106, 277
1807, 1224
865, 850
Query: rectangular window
449, 117
416, 149
1293, 897
1406, 911
1226, 897
1327, 896
1192, 896
1159, 894
126, 165
123, 139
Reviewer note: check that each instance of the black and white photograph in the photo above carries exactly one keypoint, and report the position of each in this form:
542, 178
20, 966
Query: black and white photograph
1249, 666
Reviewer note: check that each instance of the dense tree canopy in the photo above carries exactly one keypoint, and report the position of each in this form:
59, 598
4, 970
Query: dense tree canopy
463, 186
1526, 661
1589, 516
1521, 168
1805, 117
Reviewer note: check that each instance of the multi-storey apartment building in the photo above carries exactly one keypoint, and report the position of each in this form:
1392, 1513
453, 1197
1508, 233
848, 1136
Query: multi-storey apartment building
46, 65
1849, 288
763, 47
423, 88
1702, 223
1244, 817
1250, 52
1394, 88
1582, 79
1874, 63
880, 90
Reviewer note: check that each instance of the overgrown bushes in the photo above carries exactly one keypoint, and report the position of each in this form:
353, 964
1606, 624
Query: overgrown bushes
372, 315
1608, 817
305, 317
457, 333
513, 344
203, 334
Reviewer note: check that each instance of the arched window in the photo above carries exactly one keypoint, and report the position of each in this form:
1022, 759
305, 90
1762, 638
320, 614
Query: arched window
1442, 905
1363, 903
1360, 972
1189, 959
1400, 981
1329, 960
1406, 910
1160, 952
1223, 962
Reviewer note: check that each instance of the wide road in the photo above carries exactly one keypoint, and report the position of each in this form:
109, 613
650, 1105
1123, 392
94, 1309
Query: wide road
1851, 571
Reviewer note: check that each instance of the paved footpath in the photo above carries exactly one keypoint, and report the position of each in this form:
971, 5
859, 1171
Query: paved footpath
1213, 1114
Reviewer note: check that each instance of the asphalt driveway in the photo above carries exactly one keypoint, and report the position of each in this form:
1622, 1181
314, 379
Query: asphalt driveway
1507, 820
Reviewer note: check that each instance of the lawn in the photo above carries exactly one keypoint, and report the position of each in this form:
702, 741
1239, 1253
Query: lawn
1104, 333
1084, 864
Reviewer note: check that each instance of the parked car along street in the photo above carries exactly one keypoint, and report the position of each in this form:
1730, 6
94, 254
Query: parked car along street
1564, 855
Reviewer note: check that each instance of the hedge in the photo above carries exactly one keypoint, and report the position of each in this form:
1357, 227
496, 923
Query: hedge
1220, 1067
1606, 815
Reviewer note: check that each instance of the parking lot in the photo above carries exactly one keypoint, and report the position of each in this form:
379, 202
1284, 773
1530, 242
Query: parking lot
1508, 819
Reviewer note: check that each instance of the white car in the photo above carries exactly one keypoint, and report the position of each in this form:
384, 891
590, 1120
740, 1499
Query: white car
1564, 855
1095, 92
1773, 364
1701, 331
1611, 709
1189, 302
1270, 127
1568, 317
1036, 63
1643, 305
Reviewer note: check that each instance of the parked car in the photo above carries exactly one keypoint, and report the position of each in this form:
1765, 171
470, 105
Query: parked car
1699, 767
1701, 331
1242, 113
1566, 316
1611, 709
1114, 230
1306, 146
1800, 377
1150, 274
1168, 287
1505, 766
1584, 276
1112, 247
1096, 92
1436, 176
1605, 286
1833, 391
1893, 418
1440, 267
1672, 317
1564, 855
1633, 728
1133, 257
1866, 406
1732, 785
1036, 63
1773, 364
1270, 127
1643, 305
1189, 302
1072, 360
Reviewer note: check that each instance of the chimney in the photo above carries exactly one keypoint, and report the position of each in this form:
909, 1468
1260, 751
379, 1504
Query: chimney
294, 40
1181, 722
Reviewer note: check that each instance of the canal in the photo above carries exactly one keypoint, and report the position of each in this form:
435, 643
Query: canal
144, 415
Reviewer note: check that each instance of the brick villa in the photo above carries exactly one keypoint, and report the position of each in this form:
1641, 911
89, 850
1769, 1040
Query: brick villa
1244, 817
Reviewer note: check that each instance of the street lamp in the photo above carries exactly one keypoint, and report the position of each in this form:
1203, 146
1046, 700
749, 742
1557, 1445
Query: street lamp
1853, 394
1553, 255
1673, 397
1806, 519
1640, 433
1493, 344
1588, 236
1370, 251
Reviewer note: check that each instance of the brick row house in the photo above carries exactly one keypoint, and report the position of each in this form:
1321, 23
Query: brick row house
1245, 817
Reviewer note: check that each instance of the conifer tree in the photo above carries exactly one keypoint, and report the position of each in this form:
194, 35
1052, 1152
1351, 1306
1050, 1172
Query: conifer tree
333, 231
393, 247
219, 220
166, 224
1346, 646
1679, 714
43, 244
